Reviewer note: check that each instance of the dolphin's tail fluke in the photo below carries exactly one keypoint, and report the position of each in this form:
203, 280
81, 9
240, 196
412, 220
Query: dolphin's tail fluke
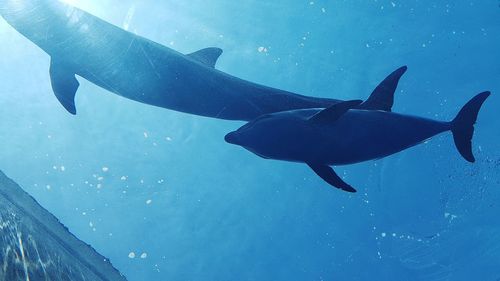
462, 126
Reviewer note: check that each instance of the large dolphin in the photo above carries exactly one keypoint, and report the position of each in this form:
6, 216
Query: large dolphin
342, 135
142, 70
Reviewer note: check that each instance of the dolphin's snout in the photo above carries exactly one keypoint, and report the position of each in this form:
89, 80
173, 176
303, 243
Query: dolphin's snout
231, 138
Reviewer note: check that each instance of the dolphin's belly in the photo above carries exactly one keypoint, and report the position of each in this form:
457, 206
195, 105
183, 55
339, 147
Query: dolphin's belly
366, 135
128, 71
173, 84
147, 72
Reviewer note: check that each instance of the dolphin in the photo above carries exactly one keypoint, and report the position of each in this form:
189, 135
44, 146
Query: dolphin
141, 70
341, 135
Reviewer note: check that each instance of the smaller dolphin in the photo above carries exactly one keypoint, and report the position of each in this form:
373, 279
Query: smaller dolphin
341, 135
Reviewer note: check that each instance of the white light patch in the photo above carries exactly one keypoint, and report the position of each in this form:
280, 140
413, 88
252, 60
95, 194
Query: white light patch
91, 7
128, 19
71, 2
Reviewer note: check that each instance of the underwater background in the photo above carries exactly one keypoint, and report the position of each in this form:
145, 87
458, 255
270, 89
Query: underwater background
165, 198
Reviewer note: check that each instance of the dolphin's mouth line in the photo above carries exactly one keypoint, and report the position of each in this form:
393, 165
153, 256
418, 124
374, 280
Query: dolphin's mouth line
231, 138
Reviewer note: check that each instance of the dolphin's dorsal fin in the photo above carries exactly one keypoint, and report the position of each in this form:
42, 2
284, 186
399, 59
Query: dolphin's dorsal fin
382, 98
334, 112
207, 56
329, 175
64, 85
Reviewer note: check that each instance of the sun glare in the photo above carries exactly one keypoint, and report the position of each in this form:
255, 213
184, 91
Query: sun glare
82, 4
71, 2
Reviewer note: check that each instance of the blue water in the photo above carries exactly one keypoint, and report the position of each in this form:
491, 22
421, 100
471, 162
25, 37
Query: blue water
165, 198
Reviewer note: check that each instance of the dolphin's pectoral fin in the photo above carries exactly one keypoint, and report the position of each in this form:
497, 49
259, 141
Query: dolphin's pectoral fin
64, 85
382, 98
207, 56
329, 175
334, 112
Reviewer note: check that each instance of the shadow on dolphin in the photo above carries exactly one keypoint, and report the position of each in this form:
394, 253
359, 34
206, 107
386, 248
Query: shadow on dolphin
342, 134
142, 70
